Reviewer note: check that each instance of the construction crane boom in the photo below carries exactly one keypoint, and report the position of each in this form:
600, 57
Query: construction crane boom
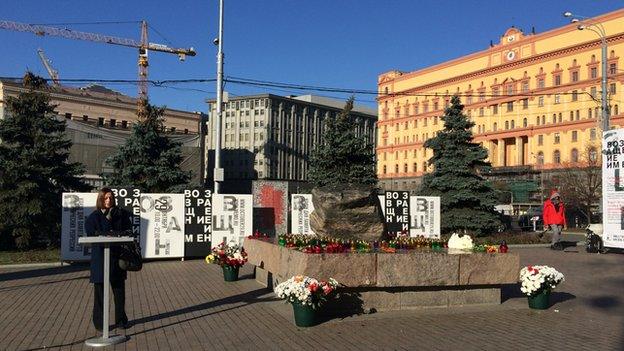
144, 45
51, 71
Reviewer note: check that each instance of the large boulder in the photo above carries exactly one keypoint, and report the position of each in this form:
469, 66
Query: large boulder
346, 212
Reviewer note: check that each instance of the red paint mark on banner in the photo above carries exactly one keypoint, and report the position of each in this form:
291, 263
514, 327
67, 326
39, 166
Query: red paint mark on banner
273, 198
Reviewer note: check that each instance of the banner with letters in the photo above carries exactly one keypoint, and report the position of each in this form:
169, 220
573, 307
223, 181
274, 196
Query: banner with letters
424, 215
162, 225
76, 208
197, 222
301, 208
232, 218
397, 212
613, 188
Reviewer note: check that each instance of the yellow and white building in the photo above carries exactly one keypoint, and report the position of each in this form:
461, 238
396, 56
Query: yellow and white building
535, 100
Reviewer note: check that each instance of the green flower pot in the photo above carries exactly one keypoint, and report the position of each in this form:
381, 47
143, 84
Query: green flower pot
230, 274
305, 315
540, 301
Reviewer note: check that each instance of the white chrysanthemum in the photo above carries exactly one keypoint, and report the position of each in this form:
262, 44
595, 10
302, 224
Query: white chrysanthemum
460, 242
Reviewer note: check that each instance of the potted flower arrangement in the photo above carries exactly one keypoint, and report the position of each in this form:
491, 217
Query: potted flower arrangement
537, 282
306, 296
230, 258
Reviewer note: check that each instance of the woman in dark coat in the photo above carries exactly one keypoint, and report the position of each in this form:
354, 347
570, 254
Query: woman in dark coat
106, 218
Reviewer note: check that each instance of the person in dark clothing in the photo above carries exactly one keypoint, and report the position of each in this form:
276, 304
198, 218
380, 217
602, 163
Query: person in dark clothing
106, 218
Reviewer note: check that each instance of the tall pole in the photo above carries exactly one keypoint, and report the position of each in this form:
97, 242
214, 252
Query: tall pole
218, 171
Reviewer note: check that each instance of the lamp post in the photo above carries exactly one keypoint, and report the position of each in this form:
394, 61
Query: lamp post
218, 171
585, 23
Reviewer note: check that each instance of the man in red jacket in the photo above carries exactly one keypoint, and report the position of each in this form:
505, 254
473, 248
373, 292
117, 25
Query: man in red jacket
554, 216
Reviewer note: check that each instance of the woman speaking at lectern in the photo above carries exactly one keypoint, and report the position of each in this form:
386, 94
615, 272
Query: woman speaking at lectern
107, 217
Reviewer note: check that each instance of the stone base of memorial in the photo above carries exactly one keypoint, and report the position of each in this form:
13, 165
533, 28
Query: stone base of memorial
392, 281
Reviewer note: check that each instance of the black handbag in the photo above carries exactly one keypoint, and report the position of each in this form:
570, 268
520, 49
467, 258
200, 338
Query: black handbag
130, 257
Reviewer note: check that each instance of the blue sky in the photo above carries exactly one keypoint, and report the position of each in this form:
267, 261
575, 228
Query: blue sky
334, 43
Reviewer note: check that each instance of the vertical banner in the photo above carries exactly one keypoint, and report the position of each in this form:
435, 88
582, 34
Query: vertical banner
613, 188
425, 216
301, 208
232, 218
197, 222
162, 225
270, 200
129, 200
76, 208
397, 212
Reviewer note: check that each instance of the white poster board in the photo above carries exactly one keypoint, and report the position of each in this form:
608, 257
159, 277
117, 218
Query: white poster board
424, 215
613, 188
232, 219
76, 208
162, 225
301, 207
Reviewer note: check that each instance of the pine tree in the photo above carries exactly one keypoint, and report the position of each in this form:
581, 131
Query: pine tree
467, 199
33, 158
343, 157
148, 160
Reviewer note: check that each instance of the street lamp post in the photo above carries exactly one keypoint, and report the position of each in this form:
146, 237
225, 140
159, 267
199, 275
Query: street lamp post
585, 23
218, 171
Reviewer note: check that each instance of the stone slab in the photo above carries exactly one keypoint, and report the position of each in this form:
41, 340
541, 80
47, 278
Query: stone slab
263, 254
485, 269
348, 269
417, 269
483, 296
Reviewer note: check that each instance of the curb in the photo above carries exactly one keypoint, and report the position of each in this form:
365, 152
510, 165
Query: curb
33, 265
528, 246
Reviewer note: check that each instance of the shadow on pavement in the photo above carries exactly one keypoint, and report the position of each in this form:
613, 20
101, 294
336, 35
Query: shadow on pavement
511, 291
604, 302
558, 297
16, 287
40, 272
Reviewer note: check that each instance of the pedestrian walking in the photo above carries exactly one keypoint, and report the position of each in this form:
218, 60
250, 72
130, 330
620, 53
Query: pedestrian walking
554, 217
107, 218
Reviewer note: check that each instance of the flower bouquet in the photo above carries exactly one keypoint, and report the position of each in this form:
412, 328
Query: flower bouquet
460, 244
537, 282
230, 258
306, 296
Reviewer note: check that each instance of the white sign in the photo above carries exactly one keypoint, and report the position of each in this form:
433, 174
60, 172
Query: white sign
613, 188
424, 215
232, 218
76, 208
301, 208
162, 225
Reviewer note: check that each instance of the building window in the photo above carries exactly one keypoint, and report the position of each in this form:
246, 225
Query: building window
510, 89
405, 168
481, 111
384, 167
575, 76
540, 83
537, 120
574, 135
494, 127
616, 110
592, 92
68, 115
612, 88
415, 167
557, 138
510, 106
506, 125
540, 158
557, 157
578, 115
185, 131
593, 155
435, 120
495, 91
540, 140
593, 72
494, 109
396, 168
124, 124
589, 113
612, 68
554, 119
525, 87
525, 104
592, 134
557, 98
560, 117
513, 124
100, 121
574, 95
543, 119
112, 122
557, 79
540, 101
525, 122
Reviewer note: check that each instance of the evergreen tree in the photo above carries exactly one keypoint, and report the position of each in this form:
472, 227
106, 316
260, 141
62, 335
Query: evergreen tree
148, 160
467, 199
33, 158
342, 157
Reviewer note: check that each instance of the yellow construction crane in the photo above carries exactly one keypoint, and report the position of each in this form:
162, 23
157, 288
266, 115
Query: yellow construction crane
144, 46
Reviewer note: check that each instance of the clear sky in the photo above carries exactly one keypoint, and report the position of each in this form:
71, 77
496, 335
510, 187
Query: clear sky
333, 43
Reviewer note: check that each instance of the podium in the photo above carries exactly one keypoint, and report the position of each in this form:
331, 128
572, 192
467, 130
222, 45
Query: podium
106, 241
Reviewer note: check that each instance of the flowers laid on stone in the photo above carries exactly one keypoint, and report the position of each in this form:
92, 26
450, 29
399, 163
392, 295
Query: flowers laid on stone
463, 242
535, 279
257, 235
227, 255
306, 291
317, 245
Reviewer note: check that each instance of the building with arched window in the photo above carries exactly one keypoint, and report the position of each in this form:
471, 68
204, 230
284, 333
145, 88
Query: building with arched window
517, 92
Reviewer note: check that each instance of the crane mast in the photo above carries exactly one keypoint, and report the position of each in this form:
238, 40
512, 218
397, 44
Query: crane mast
48, 66
144, 47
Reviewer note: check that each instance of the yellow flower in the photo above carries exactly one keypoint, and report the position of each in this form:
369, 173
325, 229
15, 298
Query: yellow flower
210, 258
298, 278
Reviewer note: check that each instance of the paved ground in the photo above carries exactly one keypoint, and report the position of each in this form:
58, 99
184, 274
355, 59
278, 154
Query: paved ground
186, 306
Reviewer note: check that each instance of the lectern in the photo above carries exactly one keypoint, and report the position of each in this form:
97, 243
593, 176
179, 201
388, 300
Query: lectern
106, 242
